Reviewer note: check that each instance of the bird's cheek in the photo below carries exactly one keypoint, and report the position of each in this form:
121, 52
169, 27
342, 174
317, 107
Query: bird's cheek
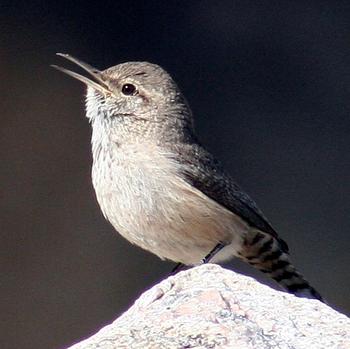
141, 105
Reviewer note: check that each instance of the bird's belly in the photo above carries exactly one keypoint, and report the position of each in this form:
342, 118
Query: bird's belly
157, 210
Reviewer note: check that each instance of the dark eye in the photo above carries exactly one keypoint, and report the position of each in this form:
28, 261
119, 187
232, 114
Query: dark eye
128, 89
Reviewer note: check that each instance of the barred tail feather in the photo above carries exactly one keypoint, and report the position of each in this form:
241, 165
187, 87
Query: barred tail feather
270, 256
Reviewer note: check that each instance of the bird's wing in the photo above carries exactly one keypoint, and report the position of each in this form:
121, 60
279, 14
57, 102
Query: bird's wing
202, 171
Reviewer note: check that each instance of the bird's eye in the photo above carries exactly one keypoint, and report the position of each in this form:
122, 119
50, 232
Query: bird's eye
128, 89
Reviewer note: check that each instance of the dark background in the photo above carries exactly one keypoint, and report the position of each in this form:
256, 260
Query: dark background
269, 84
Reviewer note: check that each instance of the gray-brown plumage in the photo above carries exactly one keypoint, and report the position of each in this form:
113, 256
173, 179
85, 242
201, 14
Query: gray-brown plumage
160, 188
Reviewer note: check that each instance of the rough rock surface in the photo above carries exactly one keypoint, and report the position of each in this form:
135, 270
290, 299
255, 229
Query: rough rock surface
211, 307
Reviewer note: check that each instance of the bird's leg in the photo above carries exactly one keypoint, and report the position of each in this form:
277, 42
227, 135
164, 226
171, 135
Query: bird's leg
178, 267
206, 259
213, 252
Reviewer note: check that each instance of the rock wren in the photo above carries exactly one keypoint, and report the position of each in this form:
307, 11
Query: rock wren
160, 188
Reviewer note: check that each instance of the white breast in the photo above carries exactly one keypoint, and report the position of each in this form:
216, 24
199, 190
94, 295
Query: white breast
142, 194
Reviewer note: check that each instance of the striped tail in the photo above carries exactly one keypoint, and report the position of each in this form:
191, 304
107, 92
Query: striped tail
270, 255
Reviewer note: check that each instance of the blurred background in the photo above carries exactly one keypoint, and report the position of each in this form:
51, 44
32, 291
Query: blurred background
269, 84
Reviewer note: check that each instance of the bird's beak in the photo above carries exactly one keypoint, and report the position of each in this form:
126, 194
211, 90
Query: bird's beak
98, 84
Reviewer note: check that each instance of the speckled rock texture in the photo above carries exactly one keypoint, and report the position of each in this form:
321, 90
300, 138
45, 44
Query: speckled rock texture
211, 307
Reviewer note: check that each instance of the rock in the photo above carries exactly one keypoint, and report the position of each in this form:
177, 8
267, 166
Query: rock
211, 307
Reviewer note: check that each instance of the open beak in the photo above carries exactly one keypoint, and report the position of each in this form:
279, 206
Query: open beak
98, 84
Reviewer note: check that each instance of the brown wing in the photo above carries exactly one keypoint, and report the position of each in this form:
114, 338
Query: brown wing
206, 174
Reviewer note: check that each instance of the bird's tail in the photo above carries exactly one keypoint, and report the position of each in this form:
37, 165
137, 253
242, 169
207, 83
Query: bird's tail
270, 255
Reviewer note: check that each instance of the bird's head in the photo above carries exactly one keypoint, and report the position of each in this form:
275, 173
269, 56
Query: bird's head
133, 93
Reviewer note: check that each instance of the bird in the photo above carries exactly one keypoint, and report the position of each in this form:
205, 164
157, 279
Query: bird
160, 188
